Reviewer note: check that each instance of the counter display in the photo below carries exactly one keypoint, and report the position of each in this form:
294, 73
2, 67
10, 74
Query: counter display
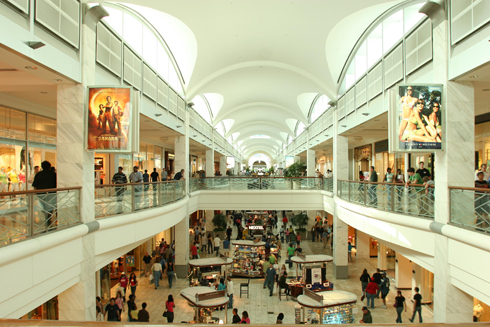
207, 270
205, 300
333, 307
247, 259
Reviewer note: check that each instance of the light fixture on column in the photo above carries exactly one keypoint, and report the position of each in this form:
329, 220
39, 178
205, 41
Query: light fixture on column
158, 115
194, 135
365, 113
326, 135
35, 44
343, 125
178, 126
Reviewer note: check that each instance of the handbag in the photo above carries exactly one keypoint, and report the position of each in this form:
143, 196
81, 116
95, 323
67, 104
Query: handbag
363, 296
165, 314
395, 305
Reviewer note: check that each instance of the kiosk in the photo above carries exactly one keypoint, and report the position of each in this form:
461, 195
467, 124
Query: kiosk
205, 271
313, 275
205, 300
333, 307
247, 259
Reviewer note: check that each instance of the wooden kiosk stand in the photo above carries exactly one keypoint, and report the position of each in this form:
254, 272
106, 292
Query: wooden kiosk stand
206, 300
329, 307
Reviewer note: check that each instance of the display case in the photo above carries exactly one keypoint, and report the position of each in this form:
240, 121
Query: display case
334, 307
247, 259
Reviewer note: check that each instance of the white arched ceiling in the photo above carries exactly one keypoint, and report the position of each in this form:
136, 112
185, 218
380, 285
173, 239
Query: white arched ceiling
304, 102
215, 101
228, 124
261, 56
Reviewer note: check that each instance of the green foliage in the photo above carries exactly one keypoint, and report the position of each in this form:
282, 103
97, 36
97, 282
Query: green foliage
259, 222
271, 170
295, 169
300, 220
219, 222
247, 169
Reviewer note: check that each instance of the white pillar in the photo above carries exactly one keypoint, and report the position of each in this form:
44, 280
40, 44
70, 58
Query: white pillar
181, 161
382, 256
237, 168
363, 245
222, 165
75, 167
403, 272
310, 163
453, 167
340, 229
209, 221
210, 163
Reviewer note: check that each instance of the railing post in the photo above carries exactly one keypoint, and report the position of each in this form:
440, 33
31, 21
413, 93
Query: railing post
365, 193
30, 214
175, 190
133, 198
159, 193
348, 194
392, 197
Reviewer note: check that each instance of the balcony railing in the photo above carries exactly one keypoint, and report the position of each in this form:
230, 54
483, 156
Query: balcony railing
260, 183
414, 200
30, 213
113, 199
470, 208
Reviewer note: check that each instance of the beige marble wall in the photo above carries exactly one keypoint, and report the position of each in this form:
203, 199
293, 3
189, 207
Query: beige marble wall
310, 162
222, 165
209, 163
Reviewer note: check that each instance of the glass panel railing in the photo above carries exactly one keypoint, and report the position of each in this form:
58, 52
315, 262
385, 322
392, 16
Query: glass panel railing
117, 199
260, 183
30, 213
416, 200
470, 208
328, 184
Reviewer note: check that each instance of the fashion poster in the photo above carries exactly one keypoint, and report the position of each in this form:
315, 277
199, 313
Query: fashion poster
109, 114
419, 123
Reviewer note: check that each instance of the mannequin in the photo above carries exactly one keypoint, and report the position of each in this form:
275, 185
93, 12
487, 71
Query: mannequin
477, 312
4, 182
22, 179
14, 180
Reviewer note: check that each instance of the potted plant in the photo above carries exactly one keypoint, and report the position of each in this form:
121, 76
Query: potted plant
219, 222
300, 220
297, 169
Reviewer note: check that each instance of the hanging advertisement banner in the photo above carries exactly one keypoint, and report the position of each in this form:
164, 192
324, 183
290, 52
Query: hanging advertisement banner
110, 119
416, 118
230, 162
289, 161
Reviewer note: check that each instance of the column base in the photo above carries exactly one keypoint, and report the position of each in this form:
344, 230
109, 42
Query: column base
181, 270
340, 272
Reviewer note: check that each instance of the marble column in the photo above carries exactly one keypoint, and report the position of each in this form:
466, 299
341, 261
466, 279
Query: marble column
403, 272
210, 163
182, 247
382, 256
222, 165
453, 167
310, 163
340, 229
75, 167
237, 168
181, 161
363, 245
209, 221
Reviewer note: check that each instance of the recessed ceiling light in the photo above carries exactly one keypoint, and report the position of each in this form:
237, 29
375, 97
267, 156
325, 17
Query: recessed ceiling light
343, 125
58, 80
178, 126
474, 76
44, 92
31, 67
194, 135
486, 90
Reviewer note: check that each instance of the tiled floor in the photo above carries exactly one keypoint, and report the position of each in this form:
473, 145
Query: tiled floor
264, 309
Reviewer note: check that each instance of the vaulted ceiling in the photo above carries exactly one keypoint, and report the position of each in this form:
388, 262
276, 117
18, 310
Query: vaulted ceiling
266, 58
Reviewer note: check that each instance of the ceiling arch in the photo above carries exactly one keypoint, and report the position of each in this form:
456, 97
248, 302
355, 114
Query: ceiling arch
257, 128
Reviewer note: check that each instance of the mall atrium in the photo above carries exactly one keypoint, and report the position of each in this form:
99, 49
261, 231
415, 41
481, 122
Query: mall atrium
132, 129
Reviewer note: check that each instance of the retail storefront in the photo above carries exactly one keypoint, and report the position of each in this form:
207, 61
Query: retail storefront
26, 140
46, 311
362, 159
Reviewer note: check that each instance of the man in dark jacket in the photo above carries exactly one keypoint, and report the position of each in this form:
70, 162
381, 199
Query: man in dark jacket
366, 316
46, 179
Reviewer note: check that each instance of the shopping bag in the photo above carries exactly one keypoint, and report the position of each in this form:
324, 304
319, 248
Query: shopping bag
151, 279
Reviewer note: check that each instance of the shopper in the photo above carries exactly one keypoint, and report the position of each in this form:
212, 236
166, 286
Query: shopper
120, 304
170, 273
136, 177
290, 255
283, 283
236, 317
170, 305
371, 290
230, 290
164, 175
280, 317
377, 279
194, 251
132, 312
146, 180
365, 279
123, 282
349, 251
417, 305
131, 301
217, 243
399, 305
112, 310
147, 261
143, 315
157, 272
366, 316
98, 304
373, 195
210, 244
270, 278
226, 247
245, 318
119, 178
385, 288
298, 239
99, 316
133, 282
180, 175
422, 171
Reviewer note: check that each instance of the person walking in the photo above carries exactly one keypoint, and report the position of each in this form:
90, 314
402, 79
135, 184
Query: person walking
373, 195
417, 305
366, 316
349, 251
143, 315
157, 272
133, 282
230, 290
112, 310
385, 288
147, 261
399, 305
217, 243
236, 317
371, 290
279, 318
170, 305
270, 278
245, 318
119, 178
170, 273
210, 244
290, 255
377, 279
136, 177
365, 279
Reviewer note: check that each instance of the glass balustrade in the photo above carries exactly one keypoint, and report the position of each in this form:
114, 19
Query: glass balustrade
470, 208
260, 183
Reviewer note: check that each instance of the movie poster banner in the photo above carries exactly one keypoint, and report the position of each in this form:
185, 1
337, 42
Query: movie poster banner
109, 119
416, 118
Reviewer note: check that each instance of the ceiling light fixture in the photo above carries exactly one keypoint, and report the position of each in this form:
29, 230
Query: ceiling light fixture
35, 44
326, 135
31, 67
343, 125
474, 76
178, 126
44, 92
365, 113
195, 136
486, 90
158, 115
58, 80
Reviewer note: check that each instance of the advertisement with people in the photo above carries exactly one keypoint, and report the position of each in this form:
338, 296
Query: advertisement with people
418, 118
109, 116
230, 162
